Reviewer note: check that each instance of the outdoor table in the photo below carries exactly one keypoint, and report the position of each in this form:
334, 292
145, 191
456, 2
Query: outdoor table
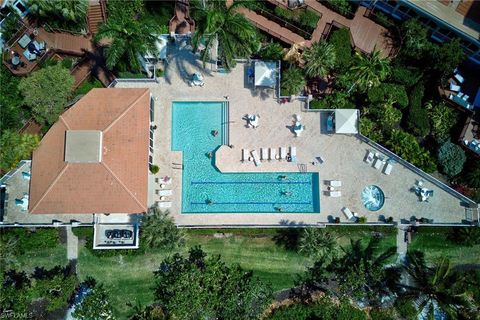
15, 60
24, 41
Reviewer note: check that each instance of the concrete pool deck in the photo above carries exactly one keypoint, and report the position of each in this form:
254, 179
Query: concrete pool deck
343, 154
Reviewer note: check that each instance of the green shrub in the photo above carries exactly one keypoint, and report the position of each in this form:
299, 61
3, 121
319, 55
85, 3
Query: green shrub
325, 308
382, 314
154, 169
88, 85
370, 130
83, 232
451, 158
385, 91
271, 51
340, 39
341, 6
416, 95
131, 75
418, 121
408, 76
284, 13
309, 18
362, 219
383, 20
67, 63
33, 239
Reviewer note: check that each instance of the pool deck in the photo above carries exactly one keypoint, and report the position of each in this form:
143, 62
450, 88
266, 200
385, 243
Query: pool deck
343, 154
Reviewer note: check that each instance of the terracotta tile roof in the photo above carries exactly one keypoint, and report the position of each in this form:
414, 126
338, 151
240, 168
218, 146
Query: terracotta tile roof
117, 184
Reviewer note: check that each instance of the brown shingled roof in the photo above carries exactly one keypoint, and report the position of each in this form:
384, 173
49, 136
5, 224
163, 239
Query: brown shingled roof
117, 184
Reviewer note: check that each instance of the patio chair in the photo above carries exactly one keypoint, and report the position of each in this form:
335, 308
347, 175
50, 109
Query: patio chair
18, 202
347, 213
163, 204
369, 157
293, 154
263, 154
335, 183
320, 159
273, 153
465, 97
283, 153
459, 78
378, 163
335, 194
244, 155
256, 160
26, 175
387, 169
454, 87
429, 193
165, 192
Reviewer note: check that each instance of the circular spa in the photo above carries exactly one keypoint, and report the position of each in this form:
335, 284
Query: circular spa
373, 198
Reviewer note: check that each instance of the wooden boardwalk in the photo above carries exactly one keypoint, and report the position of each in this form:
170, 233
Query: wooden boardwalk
366, 34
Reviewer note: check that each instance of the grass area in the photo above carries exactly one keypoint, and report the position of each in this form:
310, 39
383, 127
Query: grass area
88, 85
434, 243
43, 257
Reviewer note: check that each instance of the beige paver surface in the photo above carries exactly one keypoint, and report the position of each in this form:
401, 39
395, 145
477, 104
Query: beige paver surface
343, 154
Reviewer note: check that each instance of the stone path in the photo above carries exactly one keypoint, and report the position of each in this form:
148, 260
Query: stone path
72, 244
402, 246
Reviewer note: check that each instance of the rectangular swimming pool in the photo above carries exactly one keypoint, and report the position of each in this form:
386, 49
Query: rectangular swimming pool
207, 190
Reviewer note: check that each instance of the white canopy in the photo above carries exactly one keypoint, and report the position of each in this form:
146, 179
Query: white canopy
346, 120
265, 74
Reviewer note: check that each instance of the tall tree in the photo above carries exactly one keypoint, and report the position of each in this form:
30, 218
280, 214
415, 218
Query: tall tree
14, 147
47, 91
130, 33
237, 37
197, 287
369, 71
95, 305
318, 243
415, 39
451, 158
436, 289
293, 81
320, 59
69, 10
159, 231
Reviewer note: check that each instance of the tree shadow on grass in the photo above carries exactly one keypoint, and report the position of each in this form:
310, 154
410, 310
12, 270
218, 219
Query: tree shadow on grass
288, 236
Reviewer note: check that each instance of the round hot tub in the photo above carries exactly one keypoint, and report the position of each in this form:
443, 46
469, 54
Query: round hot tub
373, 198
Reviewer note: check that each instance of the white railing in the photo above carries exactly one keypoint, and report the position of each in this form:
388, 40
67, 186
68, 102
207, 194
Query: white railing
12, 172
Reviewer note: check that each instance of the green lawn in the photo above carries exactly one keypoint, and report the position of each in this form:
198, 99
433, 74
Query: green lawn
435, 245
43, 257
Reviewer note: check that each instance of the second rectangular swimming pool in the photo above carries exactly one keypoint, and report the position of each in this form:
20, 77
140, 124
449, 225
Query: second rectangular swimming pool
206, 190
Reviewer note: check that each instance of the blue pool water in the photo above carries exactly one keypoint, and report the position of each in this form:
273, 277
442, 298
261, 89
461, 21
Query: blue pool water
192, 124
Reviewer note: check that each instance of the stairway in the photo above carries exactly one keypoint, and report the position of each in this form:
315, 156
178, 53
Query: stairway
96, 15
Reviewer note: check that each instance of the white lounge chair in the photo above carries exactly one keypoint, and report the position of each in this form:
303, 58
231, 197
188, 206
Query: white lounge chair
165, 192
335, 183
459, 78
264, 154
244, 155
387, 169
164, 204
454, 87
465, 97
273, 153
297, 117
293, 154
283, 153
335, 194
256, 160
369, 157
378, 163
347, 213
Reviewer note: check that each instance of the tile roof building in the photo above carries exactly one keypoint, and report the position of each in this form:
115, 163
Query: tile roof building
94, 159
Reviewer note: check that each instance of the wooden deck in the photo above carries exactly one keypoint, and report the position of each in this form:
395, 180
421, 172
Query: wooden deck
366, 34
60, 42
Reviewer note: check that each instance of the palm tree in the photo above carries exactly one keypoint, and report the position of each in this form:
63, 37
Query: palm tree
321, 58
293, 81
318, 243
435, 289
369, 71
130, 37
236, 36
158, 230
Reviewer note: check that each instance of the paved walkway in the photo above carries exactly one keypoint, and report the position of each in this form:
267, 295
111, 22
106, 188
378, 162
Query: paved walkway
402, 246
72, 244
